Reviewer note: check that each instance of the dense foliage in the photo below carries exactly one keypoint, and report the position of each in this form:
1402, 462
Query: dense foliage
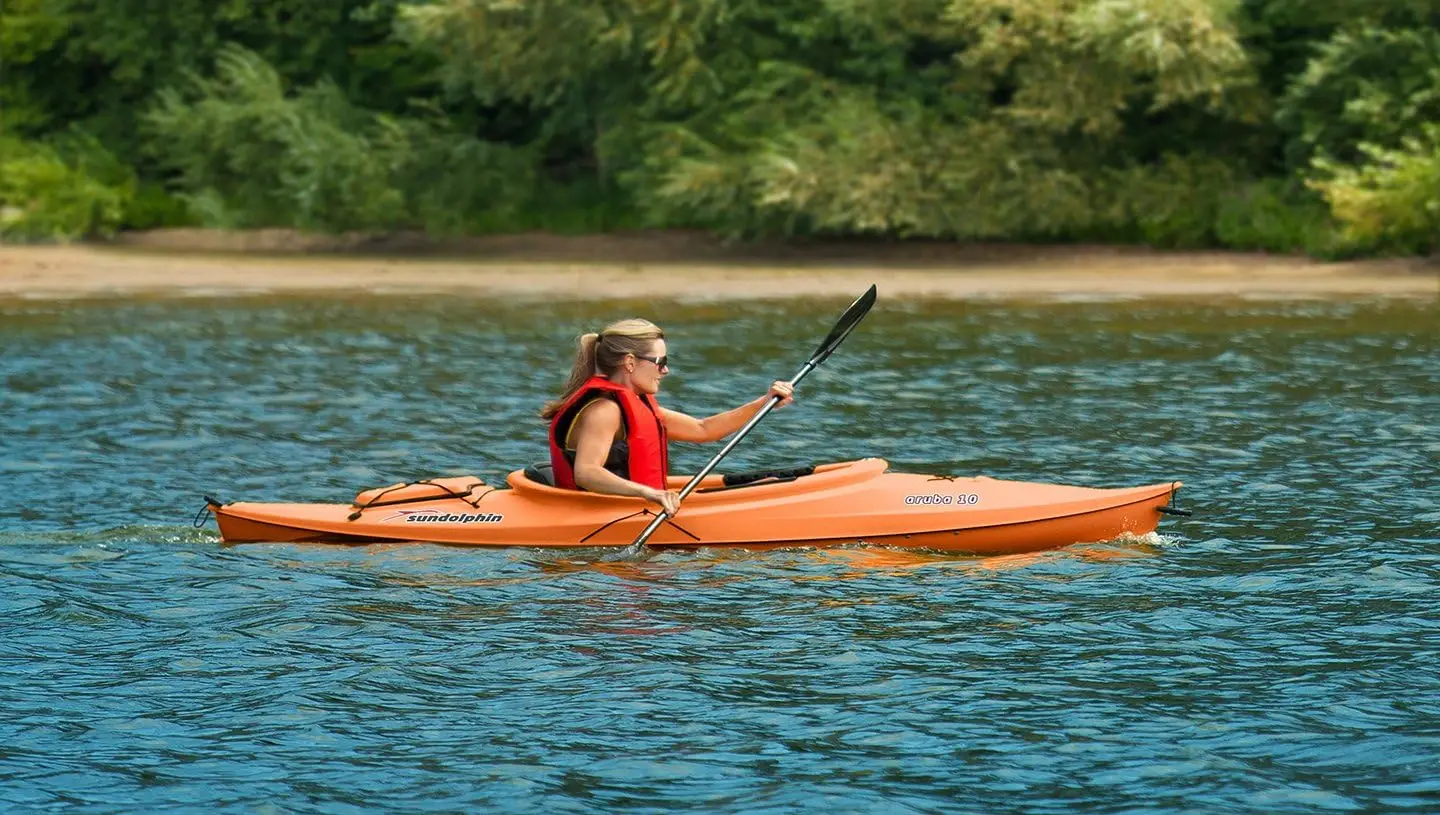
1284, 125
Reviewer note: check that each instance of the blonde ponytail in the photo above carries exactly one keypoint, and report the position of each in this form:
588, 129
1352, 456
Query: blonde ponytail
601, 355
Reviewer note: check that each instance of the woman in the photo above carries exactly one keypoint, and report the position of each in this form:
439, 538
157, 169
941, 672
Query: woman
608, 434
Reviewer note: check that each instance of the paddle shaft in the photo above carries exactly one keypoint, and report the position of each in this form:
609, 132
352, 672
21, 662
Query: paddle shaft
724, 451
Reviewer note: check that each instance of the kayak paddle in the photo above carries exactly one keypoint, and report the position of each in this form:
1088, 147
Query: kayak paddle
848, 321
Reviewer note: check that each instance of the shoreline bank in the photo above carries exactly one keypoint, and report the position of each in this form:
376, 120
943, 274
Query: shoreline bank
676, 266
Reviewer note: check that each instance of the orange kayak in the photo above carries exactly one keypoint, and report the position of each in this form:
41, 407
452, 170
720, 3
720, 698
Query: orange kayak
824, 505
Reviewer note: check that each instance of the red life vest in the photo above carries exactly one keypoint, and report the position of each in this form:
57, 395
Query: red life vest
648, 460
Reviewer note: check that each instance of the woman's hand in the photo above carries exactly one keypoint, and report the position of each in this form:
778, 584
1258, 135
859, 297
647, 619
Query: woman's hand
784, 390
669, 499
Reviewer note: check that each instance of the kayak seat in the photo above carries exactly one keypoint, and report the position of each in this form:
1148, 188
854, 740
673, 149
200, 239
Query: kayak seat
541, 472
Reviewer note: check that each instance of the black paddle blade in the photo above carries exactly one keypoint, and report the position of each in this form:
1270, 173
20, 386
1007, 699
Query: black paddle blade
847, 323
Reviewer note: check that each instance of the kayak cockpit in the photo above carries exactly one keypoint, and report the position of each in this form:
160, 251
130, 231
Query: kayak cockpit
535, 481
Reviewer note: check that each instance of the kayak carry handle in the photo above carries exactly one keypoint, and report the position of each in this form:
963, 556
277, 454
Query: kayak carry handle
204, 514
1170, 508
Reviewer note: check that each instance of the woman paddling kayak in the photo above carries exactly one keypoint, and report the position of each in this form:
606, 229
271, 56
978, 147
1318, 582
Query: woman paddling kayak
609, 435
823, 505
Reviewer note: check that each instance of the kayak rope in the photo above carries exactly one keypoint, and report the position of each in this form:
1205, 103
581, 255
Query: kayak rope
644, 513
204, 514
942, 478
449, 493
476, 502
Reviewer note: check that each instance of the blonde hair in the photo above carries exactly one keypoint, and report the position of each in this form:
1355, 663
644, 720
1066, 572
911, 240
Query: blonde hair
603, 353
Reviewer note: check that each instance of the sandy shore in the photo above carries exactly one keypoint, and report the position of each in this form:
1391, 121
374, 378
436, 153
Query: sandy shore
649, 266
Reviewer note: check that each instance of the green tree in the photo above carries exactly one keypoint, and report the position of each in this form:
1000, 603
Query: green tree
1366, 85
921, 117
28, 30
247, 154
114, 55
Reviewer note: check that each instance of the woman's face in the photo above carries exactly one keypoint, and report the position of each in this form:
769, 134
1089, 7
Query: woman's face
650, 368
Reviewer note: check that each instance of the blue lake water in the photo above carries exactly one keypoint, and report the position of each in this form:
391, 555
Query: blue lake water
1279, 652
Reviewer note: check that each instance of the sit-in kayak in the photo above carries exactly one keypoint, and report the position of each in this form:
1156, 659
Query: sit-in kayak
824, 505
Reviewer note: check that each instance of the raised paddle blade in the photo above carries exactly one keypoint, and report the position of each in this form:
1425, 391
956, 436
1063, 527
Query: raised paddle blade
845, 325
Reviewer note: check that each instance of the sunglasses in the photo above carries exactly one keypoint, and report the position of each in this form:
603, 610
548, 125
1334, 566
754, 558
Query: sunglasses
660, 362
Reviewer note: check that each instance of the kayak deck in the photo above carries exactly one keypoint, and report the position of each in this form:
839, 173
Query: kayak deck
840, 503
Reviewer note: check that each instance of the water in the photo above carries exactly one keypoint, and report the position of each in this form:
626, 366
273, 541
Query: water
1277, 653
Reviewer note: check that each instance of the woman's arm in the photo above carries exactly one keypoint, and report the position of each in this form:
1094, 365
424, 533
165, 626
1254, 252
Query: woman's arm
595, 431
683, 427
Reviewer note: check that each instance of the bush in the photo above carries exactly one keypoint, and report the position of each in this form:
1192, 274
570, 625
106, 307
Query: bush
1276, 216
453, 184
1173, 204
154, 208
248, 155
45, 198
1390, 202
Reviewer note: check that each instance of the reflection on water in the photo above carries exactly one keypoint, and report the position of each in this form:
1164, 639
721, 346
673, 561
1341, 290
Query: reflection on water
1276, 653
863, 560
